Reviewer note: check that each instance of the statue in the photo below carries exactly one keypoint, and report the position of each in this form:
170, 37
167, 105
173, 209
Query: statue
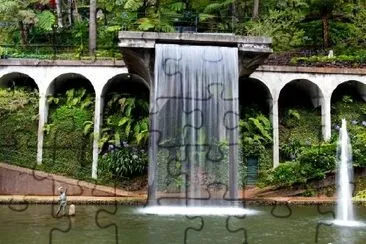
62, 200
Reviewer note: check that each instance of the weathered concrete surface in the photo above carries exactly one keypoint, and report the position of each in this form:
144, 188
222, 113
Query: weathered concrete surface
26, 199
38, 62
149, 39
312, 70
139, 55
141, 200
16, 180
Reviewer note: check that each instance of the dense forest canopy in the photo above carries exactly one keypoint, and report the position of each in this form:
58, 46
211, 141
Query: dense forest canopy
293, 24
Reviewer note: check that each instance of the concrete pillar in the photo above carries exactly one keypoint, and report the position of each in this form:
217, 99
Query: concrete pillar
98, 117
43, 114
326, 118
276, 141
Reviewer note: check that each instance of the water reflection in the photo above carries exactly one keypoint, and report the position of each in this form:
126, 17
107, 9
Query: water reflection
34, 225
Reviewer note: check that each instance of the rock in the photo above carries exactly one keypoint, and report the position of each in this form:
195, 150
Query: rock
72, 210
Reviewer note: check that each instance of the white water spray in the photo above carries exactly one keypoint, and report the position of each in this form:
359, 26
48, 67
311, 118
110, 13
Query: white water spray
344, 212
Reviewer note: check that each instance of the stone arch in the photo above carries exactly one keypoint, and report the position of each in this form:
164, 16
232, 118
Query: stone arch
300, 116
65, 145
64, 81
18, 132
347, 101
300, 89
131, 82
18, 79
354, 88
253, 91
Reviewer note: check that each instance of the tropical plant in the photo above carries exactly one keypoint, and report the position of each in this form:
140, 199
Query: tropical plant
255, 135
76, 104
130, 123
123, 162
23, 13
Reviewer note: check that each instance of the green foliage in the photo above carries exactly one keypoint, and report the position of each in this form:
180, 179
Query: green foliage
354, 112
318, 160
313, 160
71, 111
355, 59
19, 124
286, 174
313, 163
123, 162
256, 141
67, 149
126, 120
299, 128
133, 5
361, 195
281, 25
291, 23
46, 20
255, 134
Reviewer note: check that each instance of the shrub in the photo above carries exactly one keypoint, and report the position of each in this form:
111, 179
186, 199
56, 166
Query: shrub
313, 163
123, 162
287, 174
317, 160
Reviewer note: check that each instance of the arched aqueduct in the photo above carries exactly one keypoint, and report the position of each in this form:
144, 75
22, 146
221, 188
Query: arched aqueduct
269, 84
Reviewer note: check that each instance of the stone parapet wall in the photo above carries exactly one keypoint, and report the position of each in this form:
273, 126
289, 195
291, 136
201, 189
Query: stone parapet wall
15, 180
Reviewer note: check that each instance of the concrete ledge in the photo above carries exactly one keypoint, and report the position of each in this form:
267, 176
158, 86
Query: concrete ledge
141, 200
39, 62
21, 199
317, 70
135, 39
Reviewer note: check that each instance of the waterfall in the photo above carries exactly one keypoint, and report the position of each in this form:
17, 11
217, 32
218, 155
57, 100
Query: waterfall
194, 136
344, 176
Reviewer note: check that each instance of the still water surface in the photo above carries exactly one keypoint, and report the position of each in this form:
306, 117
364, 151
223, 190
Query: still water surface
93, 224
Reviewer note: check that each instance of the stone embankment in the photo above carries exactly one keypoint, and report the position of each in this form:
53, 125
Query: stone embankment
25, 186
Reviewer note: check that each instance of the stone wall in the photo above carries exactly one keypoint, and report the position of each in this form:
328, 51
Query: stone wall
21, 181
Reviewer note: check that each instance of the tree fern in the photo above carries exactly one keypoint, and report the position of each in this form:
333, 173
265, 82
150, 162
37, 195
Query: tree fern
133, 5
45, 20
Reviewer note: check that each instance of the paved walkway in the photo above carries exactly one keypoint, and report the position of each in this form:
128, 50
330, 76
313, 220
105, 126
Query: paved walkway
21, 199
141, 199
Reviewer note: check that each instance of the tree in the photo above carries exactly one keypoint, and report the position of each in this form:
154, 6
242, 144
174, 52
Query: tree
324, 9
59, 13
92, 27
21, 12
255, 9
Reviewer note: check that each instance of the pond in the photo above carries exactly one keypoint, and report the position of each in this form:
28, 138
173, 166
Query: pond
94, 224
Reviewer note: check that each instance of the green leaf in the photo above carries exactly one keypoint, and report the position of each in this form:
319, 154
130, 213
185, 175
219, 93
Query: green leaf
133, 5
46, 20
123, 121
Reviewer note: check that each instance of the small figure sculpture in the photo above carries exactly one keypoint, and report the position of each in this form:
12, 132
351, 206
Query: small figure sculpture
62, 200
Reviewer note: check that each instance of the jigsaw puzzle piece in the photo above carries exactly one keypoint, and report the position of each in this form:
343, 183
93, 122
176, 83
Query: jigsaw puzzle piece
195, 229
281, 210
108, 212
215, 229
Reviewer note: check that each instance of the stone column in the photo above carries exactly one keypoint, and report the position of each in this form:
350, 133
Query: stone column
98, 117
326, 118
276, 143
43, 113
